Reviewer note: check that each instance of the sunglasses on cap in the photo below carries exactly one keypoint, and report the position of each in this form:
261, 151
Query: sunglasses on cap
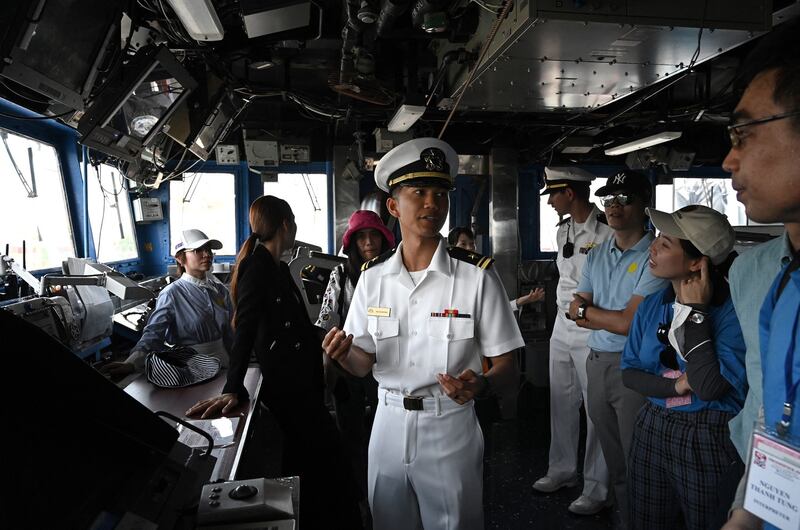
202, 250
668, 356
623, 199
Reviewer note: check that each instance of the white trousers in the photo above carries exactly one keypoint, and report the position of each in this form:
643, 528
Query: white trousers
425, 467
568, 354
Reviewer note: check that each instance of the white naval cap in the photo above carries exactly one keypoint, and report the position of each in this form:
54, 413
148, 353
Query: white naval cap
421, 162
558, 178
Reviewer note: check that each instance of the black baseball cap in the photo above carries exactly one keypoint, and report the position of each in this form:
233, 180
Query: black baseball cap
630, 181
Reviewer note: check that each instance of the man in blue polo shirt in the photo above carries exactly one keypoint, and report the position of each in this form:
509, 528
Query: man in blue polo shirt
614, 281
765, 140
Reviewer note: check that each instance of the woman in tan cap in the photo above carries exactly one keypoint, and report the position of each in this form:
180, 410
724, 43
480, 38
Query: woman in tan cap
685, 354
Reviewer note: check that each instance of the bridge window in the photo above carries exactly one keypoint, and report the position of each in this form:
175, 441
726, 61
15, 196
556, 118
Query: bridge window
548, 218
307, 194
33, 203
110, 215
716, 193
206, 201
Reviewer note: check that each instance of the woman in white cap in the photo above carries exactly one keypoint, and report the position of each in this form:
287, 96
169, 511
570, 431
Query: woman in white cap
366, 238
685, 353
271, 320
193, 311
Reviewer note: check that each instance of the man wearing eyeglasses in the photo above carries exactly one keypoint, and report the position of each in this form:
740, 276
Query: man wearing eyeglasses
763, 162
614, 281
585, 227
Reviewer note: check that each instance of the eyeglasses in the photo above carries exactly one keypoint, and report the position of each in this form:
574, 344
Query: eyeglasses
202, 250
668, 356
623, 199
736, 135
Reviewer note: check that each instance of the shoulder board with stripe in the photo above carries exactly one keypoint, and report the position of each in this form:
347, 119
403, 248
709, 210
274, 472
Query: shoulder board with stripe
473, 258
601, 218
564, 220
380, 259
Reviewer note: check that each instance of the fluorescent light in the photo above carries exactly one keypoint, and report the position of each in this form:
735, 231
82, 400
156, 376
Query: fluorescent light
405, 117
641, 143
199, 18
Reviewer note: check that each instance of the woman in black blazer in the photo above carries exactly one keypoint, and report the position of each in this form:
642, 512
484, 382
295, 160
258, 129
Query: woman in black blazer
270, 319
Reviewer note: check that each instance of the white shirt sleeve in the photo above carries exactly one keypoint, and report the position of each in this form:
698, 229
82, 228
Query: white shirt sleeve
513, 304
496, 327
356, 321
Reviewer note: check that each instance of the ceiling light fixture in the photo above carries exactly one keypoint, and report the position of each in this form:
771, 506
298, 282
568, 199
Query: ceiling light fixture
199, 18
641, 143
405, 117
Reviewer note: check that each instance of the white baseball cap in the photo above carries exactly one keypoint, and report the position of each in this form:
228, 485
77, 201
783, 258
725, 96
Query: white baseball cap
193, 239
706, 228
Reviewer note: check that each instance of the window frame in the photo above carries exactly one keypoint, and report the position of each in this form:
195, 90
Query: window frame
67, 203
209, 168
94, 254
312, 168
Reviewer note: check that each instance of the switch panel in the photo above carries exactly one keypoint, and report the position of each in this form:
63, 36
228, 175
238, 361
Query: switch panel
227, 154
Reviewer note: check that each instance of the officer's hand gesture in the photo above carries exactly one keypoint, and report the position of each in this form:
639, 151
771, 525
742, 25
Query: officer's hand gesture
337, 344
464, 388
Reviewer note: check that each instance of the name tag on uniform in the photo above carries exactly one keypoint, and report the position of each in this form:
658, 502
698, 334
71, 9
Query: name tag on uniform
587, 248
773, 480
379, 311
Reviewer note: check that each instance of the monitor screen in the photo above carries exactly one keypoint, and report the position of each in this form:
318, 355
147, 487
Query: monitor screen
147, 104
54, 57
214, 126
128, 115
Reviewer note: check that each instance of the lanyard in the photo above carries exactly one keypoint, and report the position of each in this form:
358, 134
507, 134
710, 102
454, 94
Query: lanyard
785, 422
791, 387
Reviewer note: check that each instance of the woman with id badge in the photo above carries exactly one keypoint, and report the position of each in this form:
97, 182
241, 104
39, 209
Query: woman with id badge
685, 353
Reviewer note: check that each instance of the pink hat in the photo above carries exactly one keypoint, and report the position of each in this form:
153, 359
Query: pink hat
362, 219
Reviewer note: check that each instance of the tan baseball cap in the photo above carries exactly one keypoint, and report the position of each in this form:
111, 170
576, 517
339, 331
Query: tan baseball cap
706, 228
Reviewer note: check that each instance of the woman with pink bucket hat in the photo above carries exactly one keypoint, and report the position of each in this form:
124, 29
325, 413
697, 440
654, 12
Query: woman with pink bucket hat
366, 237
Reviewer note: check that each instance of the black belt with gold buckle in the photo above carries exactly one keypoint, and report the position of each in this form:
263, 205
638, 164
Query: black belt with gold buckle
412, 403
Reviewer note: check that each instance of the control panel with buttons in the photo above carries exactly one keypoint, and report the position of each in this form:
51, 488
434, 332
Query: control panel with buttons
245, 500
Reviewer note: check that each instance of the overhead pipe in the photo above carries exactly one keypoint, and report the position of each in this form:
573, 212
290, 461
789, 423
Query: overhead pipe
390, 12
350, 35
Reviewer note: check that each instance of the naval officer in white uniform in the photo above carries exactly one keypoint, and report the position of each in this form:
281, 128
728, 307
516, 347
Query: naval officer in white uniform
584, 228
421, 317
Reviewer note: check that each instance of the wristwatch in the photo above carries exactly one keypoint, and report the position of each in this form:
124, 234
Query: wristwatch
580, 314
696, 317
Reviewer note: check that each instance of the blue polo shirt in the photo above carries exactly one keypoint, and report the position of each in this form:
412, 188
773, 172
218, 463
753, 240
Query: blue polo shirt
643, 349
779, 334
750, 278
613, 276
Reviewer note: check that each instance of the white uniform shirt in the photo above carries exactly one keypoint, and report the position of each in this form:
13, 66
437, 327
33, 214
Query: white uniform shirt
584, 236
398, 321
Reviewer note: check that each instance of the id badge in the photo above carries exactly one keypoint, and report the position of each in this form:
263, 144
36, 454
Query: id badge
773, 479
